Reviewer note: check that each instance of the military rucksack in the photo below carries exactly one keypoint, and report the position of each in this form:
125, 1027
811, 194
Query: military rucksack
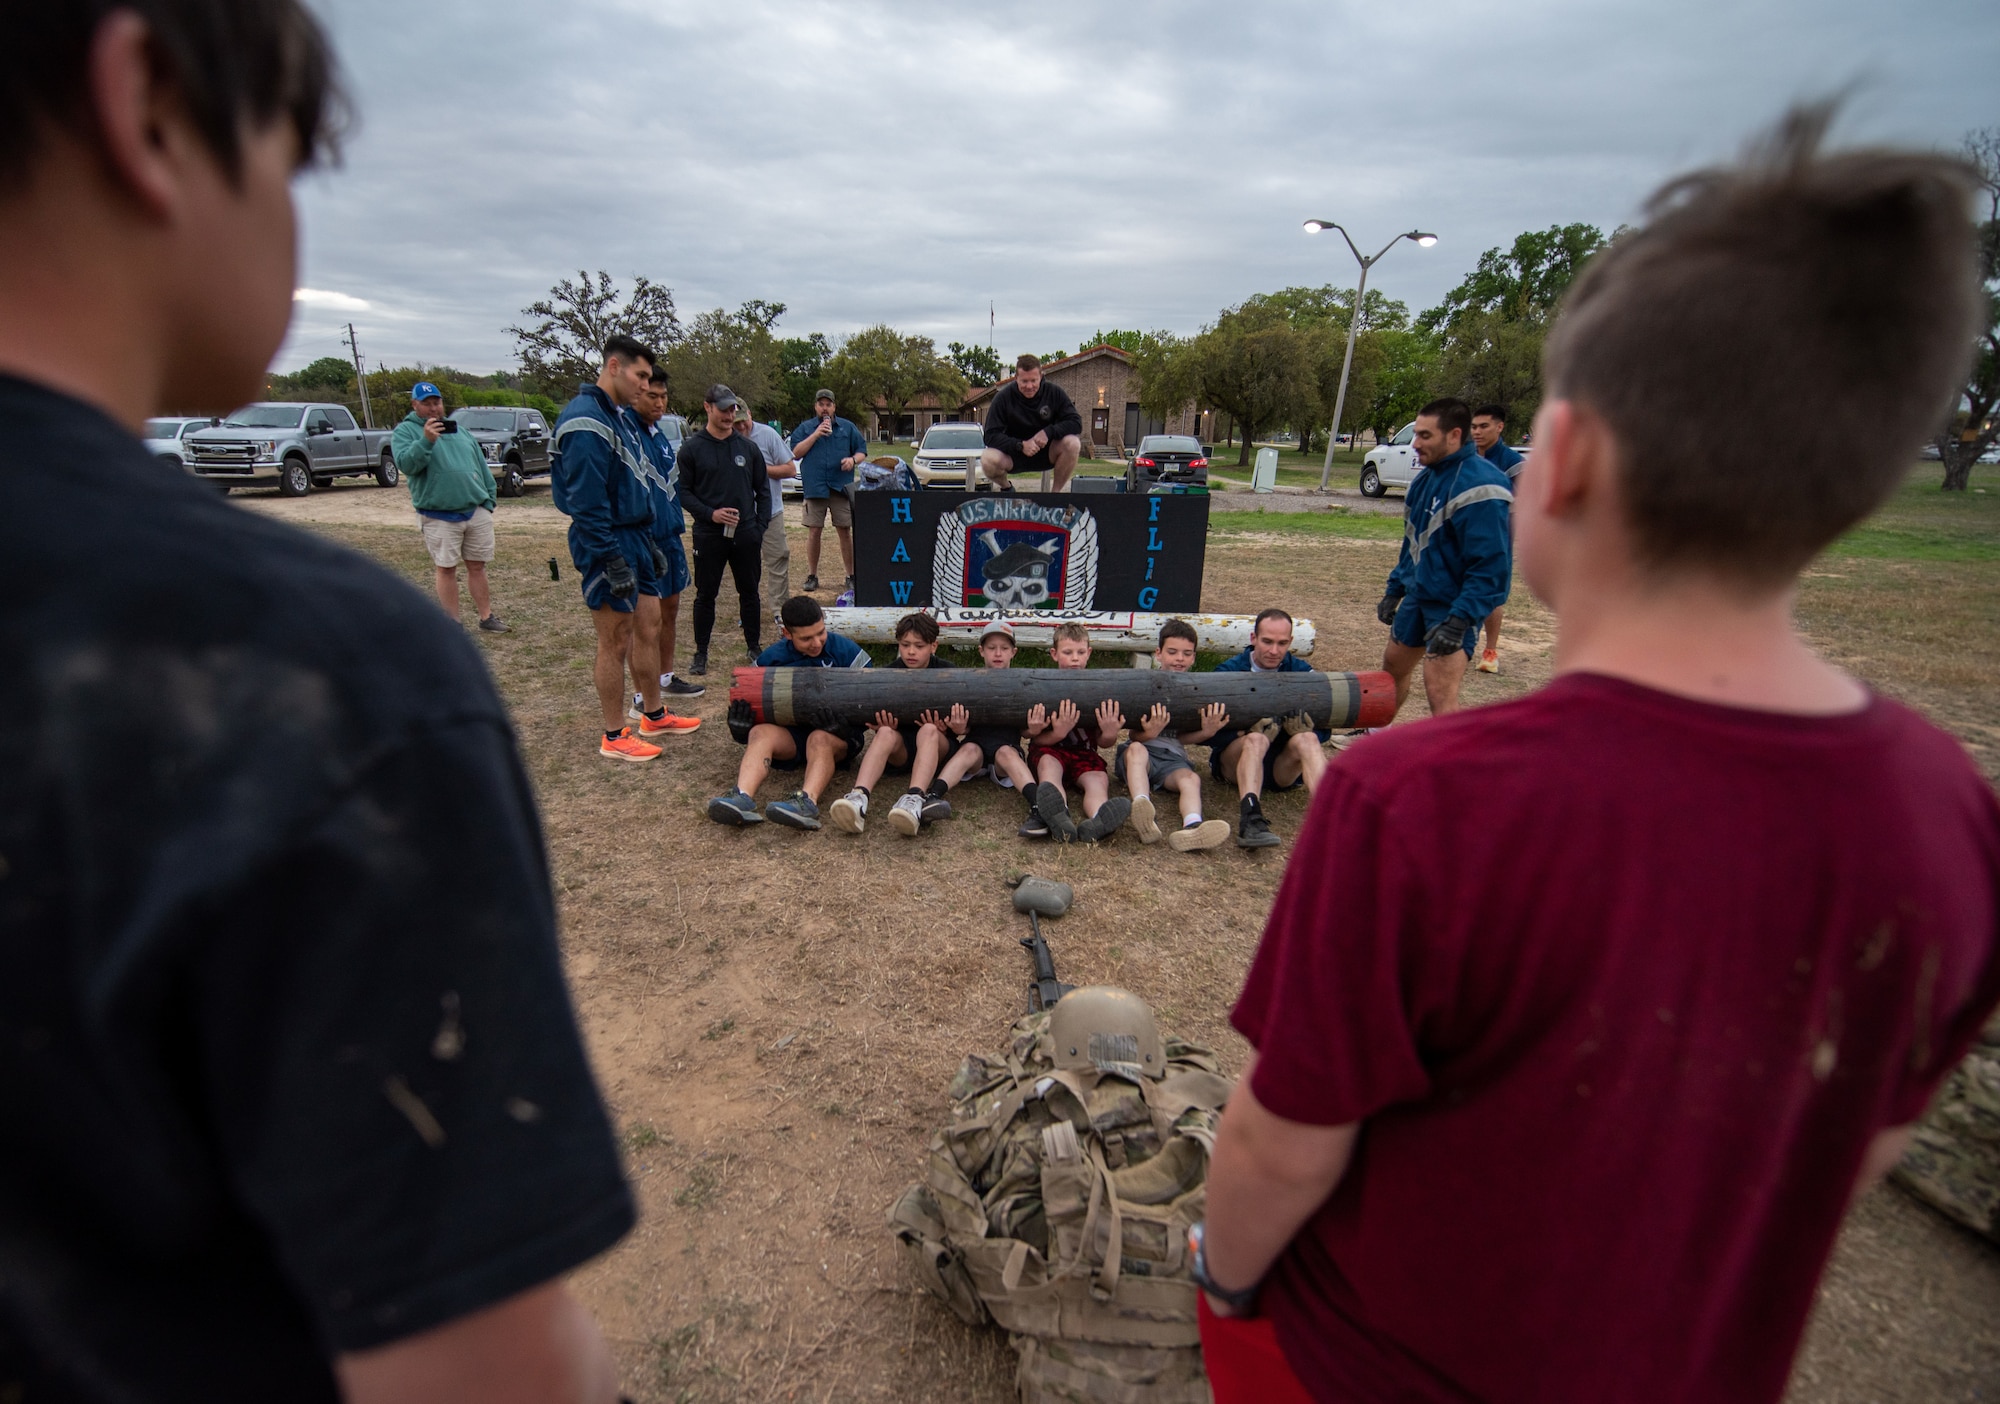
1057, 1204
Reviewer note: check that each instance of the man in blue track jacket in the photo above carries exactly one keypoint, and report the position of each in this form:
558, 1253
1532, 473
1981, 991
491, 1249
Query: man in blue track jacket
596, 480
1489, 436
1457, 561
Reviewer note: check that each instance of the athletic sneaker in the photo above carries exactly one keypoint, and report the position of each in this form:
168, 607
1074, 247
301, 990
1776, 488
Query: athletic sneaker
936, 807
1143, 819
812, 584
1054, 812
1106, 822
849, 813
1034, 828
626, 746
698, 665
1209, 833
681, 687
797, 812
735, 809
667, 725
1489, 661
907, 815
492, 625
1253, 830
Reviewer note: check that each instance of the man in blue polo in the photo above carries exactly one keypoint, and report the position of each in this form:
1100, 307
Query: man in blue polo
828, 449
1457, 561
595, 479
1489, 436
1266, 753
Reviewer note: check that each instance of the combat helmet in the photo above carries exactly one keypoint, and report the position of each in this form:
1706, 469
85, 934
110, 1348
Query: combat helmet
1101, 1028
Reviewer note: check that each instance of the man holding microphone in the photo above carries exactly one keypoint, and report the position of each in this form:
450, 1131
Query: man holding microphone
829, 449
723, 487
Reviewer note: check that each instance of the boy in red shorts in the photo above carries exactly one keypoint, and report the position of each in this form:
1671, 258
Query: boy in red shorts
1629, 1033
1063, 749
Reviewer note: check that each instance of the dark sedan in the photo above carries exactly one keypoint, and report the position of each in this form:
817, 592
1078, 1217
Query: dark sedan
1167, 458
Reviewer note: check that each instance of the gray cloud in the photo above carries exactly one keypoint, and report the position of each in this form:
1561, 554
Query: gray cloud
1081, 165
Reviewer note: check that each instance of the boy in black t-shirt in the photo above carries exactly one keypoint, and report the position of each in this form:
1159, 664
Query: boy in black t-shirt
920, 747
993, 748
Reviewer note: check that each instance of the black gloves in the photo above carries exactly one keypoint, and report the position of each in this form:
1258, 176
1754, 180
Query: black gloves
1386, 611
659, 559
618, 574
1447, 638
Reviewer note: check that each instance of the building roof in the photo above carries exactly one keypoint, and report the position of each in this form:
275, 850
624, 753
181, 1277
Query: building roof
1117, 353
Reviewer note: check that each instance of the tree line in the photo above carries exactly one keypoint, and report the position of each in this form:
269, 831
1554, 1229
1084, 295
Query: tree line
1269, 363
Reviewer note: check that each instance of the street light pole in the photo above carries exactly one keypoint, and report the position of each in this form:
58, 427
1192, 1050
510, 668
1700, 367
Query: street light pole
1314, 226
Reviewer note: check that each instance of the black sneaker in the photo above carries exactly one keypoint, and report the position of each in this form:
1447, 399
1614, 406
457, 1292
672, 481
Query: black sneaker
698, 665
492, 625
1103, 824
1253, 830
1054, 812
681, 687
1033, 829
936, 807
812, 584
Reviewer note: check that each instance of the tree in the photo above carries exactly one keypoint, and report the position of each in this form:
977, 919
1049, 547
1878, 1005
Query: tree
881, 368
1253, 365
565, 345
801, 373
330, 373
980, 365
1123, 340
1327, 305
738, 351
1974, 426
1491, 325
1393, 375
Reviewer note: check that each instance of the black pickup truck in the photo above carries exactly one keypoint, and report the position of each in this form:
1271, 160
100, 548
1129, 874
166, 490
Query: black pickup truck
515, 442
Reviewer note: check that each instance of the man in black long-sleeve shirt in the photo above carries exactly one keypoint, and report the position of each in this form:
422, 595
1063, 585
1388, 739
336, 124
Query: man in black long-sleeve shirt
1032, 427
723, 487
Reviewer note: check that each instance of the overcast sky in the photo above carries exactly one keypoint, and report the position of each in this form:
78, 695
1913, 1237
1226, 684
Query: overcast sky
1078, 165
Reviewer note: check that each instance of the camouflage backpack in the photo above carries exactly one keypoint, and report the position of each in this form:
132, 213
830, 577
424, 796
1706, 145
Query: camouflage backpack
1954, 1158
1057, 1205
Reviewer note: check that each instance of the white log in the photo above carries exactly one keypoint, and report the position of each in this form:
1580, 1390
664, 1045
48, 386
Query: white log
1118, 632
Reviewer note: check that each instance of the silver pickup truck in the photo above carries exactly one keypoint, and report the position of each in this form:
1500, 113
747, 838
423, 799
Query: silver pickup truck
298, 446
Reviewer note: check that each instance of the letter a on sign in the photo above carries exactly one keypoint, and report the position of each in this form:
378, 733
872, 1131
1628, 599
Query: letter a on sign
902, 551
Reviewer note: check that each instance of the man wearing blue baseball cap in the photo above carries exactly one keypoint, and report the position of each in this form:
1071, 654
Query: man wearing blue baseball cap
452, 489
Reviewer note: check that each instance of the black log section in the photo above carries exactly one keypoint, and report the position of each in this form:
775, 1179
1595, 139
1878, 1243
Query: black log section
828, 697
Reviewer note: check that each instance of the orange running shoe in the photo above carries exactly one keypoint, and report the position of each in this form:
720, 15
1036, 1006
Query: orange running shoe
626, 746
668, 725
1489, 661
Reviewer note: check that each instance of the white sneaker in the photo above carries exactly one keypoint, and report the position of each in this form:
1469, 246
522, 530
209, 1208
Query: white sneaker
1191, 838
907, 815
1143, 820
849, 813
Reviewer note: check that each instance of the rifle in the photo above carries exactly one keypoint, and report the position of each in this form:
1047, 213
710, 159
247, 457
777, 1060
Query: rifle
1046, 988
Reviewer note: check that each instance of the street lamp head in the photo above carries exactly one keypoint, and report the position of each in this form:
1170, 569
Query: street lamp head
1318, 226
1424, 241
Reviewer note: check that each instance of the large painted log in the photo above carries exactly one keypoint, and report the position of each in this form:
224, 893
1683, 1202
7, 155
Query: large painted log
828, 697
1118, 632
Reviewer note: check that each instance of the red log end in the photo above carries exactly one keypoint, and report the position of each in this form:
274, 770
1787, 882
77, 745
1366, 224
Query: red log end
747, 685
1378, 698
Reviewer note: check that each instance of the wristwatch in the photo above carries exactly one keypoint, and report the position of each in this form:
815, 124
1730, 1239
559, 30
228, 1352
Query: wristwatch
1240, 1300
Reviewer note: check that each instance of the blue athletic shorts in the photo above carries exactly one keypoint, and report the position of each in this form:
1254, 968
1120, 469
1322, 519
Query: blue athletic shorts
635, 545
1416, 618
677, 578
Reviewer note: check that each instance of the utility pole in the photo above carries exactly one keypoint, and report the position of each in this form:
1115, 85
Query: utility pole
989, 326
361, 378
1314, 226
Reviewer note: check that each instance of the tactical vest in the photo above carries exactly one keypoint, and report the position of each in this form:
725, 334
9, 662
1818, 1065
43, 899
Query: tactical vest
1057, 1205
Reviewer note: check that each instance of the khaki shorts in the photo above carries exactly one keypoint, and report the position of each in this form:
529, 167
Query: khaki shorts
817, 509
451, 543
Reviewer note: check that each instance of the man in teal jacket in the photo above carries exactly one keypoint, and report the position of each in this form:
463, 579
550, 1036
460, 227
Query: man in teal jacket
452, 490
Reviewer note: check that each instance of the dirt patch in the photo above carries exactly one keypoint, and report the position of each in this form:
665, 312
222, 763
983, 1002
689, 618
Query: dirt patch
775, 1016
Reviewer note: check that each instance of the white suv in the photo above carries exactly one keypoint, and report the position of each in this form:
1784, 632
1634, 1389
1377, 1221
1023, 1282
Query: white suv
1392, 464
949, 456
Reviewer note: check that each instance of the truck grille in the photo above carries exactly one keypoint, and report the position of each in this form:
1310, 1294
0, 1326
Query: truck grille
222, 453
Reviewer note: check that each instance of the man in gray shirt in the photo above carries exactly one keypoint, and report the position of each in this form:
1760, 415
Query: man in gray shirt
777, 581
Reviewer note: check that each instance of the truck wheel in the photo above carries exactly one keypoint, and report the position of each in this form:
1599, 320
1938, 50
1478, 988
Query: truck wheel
387, 475
295, 479
1371, 481
511, 481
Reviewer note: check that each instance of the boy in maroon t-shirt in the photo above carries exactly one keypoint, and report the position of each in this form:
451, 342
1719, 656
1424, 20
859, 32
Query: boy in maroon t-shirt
1580, 1020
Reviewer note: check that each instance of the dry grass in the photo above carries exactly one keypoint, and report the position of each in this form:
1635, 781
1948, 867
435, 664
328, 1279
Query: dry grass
775, 1016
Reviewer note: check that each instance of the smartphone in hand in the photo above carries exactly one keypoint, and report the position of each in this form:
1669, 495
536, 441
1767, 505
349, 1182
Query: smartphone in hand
447, 426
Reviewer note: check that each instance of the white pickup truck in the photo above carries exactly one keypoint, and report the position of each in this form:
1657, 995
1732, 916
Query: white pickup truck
297, 445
